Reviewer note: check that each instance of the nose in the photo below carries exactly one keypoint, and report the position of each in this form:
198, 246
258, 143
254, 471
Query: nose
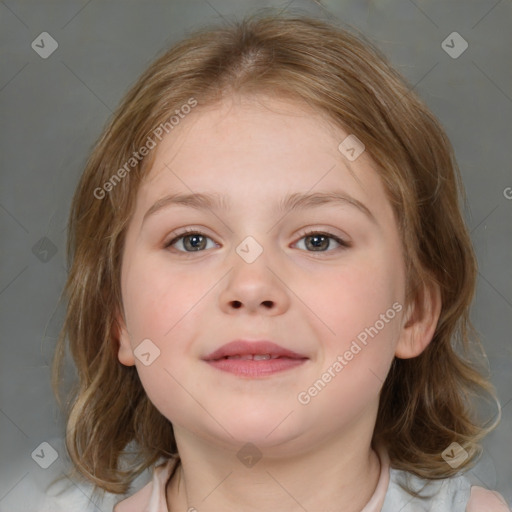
254, 288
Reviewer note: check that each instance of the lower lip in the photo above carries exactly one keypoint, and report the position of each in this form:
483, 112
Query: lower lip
251, 368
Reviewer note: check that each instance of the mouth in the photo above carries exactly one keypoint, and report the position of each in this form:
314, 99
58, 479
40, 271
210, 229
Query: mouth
254, 358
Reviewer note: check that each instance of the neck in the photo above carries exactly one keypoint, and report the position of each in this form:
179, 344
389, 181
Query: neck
343, 471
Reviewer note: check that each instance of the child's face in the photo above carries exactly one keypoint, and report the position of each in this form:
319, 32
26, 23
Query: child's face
313, 302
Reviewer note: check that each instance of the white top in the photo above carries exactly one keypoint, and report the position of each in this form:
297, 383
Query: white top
448, 495
454, 494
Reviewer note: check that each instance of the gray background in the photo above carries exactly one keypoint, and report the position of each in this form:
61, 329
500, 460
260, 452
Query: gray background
53, 110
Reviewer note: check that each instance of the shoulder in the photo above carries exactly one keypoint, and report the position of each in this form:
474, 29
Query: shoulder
37, 494
64, 494
483, 500
455, 494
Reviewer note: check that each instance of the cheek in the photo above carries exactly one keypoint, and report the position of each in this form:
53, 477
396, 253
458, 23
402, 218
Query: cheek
353, 297
355, 363
157, 298
362, 305
360, 309
163, 306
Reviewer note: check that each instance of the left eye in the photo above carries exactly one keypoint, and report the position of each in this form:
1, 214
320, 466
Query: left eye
314, 241
320, 242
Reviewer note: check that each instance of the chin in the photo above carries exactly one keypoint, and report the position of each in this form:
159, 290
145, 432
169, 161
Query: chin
263, 430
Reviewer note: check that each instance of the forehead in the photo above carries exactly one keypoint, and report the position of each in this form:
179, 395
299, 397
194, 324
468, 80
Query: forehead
240, 126
250, 147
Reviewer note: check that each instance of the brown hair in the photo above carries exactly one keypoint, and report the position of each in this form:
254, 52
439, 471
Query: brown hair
427, 401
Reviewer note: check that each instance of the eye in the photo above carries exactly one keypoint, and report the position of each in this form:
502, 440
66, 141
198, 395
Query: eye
190, 240
194, 241
319, 241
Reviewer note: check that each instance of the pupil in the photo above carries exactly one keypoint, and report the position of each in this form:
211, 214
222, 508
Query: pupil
317, 240
192, 240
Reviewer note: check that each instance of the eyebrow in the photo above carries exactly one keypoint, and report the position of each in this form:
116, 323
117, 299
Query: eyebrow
295, 201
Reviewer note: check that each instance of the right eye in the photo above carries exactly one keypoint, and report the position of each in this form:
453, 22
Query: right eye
190, 240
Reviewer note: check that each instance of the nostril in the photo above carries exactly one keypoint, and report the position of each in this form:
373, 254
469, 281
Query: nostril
237, 304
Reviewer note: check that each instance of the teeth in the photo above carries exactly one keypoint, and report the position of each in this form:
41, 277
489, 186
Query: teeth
255, 357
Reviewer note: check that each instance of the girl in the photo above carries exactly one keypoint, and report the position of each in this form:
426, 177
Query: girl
270, 286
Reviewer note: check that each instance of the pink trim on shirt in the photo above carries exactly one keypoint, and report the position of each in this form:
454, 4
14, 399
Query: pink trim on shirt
152, 497
377, 500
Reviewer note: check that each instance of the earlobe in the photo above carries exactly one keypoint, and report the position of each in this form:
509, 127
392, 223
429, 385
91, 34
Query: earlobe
125, 352
420, 322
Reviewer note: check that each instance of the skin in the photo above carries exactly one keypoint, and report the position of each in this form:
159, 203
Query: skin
257, 150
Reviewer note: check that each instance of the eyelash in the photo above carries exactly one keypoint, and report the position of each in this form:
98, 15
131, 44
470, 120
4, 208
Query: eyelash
190, 231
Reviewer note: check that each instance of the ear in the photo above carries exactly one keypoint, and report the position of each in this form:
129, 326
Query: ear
125, 352
420, 322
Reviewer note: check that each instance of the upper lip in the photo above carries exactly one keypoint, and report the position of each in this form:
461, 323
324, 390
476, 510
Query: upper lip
242, 347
